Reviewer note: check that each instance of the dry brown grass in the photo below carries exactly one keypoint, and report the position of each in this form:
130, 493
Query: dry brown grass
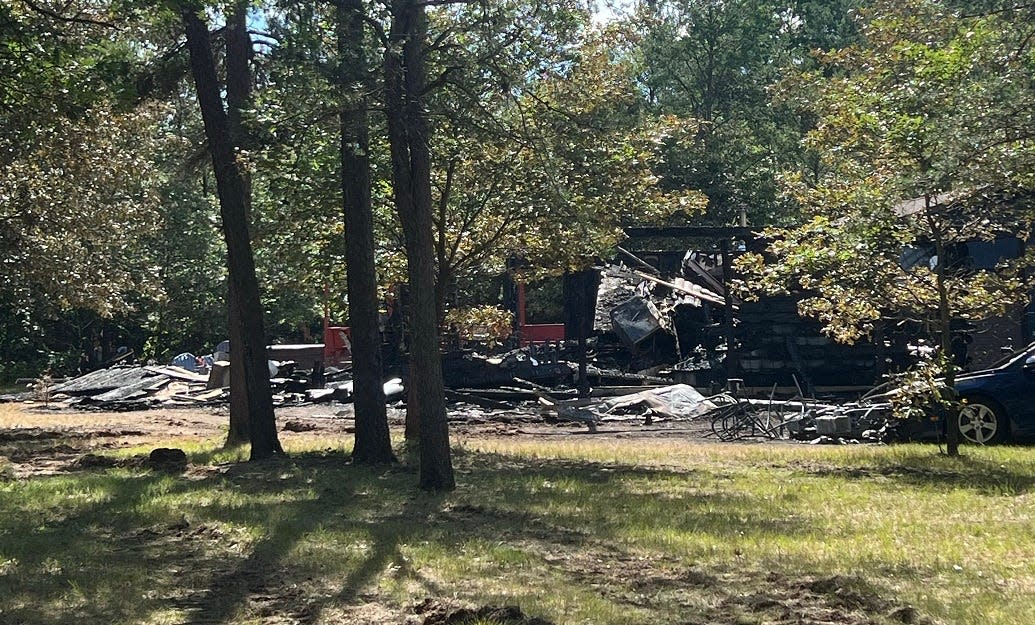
22, 415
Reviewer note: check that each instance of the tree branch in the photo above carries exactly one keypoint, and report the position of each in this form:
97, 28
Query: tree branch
442, 79
74, 19
1009, 9
435, 3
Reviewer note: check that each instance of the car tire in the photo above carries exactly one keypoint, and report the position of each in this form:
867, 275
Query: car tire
982, 421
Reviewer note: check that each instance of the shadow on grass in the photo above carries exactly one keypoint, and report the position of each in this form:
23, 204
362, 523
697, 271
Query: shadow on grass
129, 553
333, 494
924, 467
605, 500
100, 560
62, 555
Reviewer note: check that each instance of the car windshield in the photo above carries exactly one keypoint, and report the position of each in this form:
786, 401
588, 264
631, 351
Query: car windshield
1005, 360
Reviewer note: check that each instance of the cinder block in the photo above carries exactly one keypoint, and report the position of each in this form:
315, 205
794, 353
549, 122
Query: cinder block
833, 425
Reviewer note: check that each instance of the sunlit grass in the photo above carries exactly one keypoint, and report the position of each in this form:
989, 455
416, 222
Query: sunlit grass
565, 528
955, 536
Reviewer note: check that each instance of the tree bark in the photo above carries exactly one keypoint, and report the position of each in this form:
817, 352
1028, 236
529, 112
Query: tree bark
233, 205
238, 75
238, 94
373, 444
952, 417
239, 432
411, 170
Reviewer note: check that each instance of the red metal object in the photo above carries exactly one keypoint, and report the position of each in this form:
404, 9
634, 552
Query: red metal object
535, 332
337, 340
541, 332
337, 344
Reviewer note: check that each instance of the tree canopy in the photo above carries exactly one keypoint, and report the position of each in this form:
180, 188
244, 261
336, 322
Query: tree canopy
923, 142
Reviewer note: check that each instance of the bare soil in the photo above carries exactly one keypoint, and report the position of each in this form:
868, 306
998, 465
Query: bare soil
43, 440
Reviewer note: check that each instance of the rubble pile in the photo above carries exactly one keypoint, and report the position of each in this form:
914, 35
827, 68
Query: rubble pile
131, 387
689, 325
505, 397
655, 343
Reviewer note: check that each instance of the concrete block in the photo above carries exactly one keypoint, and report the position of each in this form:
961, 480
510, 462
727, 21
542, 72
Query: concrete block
833, 425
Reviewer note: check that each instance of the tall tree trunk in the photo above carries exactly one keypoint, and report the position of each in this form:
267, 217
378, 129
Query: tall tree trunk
403, 196
238, 74
373, 444
952, 419
952, 423
233, 205
411, 170
239, 432
948, 391
238, 95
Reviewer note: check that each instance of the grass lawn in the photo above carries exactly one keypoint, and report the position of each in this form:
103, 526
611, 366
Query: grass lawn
579, 530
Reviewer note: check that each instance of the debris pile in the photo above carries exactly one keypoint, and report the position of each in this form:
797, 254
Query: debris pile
805, 420
724, 416
689, 327
131, 387
662, 347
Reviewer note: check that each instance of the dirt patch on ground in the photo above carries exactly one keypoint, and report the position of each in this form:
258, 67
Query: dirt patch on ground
37, 440
816, 601
46, 440
441, 612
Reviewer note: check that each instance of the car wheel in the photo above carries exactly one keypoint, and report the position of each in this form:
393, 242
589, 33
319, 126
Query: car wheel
982, 421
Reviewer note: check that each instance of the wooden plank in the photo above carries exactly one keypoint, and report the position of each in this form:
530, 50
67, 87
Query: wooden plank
618, 391
698, 292
499, 394
639, 261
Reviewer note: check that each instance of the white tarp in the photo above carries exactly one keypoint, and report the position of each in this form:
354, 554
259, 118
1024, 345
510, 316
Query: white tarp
679, 401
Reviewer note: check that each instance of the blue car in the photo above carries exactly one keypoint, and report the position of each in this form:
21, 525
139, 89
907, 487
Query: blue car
999, 402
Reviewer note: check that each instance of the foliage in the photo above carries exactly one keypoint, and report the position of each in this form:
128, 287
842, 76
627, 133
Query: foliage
297, 224
548, 134
553, 170
75, 174
716, 62
583, 186
485, 324
923, 140
87, 168
514, 88
75, 196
